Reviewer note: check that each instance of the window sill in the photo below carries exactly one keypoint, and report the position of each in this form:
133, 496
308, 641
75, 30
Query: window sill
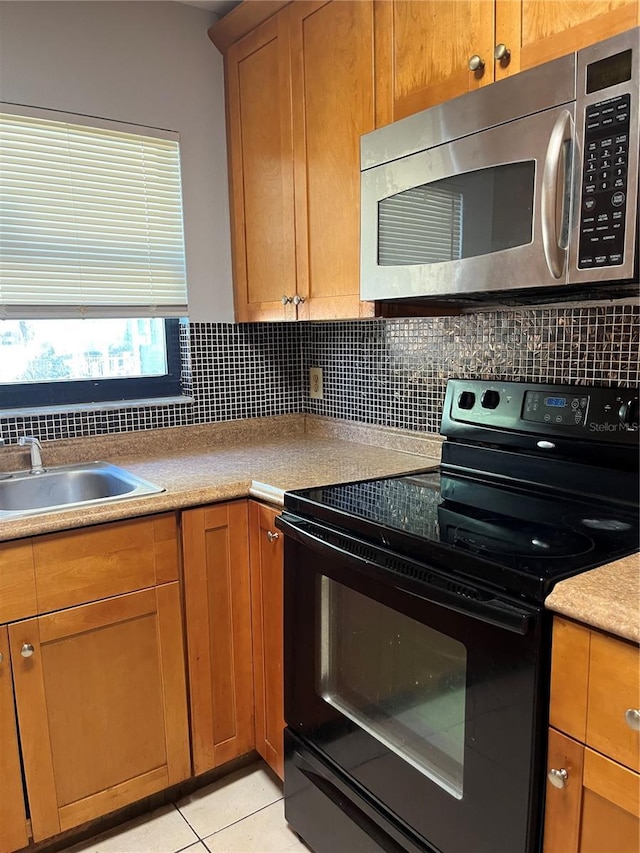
106, 406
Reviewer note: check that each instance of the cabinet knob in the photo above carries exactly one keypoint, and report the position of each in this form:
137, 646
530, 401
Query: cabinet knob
271, 536
476, 63
1, 657
632, 718
27, 650
298, 300
286, 300
502, 54
558, 778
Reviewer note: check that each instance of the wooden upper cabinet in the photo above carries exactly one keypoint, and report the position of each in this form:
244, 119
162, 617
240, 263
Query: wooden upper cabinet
261, 173
333, 105
267, 565
299, 94
423, 48
101, 701
549, 29
13, 819
218, 621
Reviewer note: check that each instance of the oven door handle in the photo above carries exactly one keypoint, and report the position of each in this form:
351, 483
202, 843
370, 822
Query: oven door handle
493, 611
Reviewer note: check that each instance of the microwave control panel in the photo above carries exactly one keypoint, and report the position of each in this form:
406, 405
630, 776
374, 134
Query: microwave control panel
604, 183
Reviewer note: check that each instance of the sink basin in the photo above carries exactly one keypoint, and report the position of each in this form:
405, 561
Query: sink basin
67, 486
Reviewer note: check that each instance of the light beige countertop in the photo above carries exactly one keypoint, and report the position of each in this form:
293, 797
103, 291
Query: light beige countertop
263, 457
607, 598
215, 462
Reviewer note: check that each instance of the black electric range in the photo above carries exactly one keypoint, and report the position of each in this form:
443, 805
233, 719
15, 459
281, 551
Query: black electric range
417, 644
522, 498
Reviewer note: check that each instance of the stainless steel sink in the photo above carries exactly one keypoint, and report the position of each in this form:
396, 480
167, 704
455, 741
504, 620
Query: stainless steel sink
23, 493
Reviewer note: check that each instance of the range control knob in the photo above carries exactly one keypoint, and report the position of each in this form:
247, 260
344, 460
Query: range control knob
466, 400
490, 399
628, 414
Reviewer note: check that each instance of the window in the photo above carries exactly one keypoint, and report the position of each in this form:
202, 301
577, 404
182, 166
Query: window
92, 266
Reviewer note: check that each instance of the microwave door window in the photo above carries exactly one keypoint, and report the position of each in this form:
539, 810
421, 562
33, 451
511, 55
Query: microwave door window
403, 682
476, 213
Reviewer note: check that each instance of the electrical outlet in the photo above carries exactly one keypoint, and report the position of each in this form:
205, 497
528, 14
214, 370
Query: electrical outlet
315, 383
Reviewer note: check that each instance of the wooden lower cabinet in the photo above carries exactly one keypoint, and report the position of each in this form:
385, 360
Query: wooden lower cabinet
13, 818
267, 614
101, 703
598, 808
218, 621
594, 806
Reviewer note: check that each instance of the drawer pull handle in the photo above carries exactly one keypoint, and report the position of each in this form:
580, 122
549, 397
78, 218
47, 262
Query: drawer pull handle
558, 778
27, 650
632, 718
271, 536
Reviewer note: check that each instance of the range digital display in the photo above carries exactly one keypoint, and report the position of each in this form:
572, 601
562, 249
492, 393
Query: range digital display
609, 71
558, 402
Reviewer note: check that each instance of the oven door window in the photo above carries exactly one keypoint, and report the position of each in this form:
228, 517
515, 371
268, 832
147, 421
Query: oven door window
401, 681
475, 213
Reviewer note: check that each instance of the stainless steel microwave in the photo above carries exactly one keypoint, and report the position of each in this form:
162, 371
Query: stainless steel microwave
522, 185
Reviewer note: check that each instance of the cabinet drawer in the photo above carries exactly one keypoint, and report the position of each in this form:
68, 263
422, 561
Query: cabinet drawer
614, 690
84, 565
17, 581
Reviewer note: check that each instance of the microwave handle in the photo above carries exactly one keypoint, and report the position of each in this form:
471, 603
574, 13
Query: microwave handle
554, 234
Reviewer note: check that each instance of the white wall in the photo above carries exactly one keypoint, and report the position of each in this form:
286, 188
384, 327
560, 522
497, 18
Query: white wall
143, 62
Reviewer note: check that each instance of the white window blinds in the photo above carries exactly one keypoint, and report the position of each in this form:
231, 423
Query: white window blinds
90, 221
422, 225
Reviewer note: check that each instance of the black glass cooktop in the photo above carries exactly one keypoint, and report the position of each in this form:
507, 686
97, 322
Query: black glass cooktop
520, 540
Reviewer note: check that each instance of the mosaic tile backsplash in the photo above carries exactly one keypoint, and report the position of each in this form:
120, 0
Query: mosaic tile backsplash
386, 372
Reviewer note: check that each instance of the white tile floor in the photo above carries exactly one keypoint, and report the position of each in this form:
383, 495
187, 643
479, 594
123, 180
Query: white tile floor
241, 813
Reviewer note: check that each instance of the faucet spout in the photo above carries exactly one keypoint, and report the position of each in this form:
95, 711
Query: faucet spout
36, 452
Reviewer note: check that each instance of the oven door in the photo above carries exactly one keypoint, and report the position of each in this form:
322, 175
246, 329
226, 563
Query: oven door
488, 212
430, 696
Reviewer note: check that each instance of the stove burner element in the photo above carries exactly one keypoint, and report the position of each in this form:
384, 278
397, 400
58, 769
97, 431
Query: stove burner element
514, 538
605, 524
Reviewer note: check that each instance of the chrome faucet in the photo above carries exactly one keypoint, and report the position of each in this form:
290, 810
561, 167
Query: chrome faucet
36, 452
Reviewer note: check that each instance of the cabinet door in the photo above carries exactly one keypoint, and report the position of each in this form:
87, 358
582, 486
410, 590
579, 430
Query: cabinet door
13, 819
267, 616
596, 808
423, 49
550, 29
261, 173
101, 701
333, 104
610, 806
218, 615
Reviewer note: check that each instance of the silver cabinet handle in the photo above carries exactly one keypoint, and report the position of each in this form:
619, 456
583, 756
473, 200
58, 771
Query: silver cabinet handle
27, 650
298, 300
558, 778
271, 536
632, 718
1, 657
502, 54
476, 63
286, 299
